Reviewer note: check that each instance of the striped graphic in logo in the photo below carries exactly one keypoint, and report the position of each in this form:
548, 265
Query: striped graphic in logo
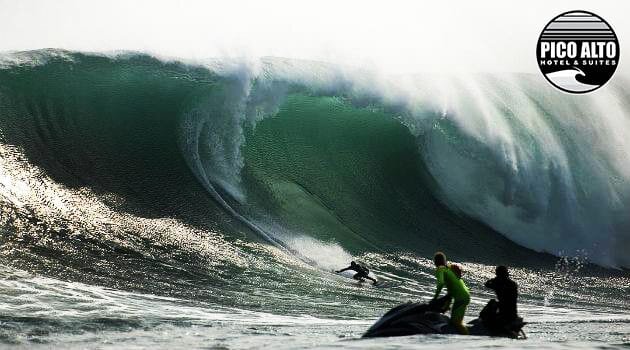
578, 25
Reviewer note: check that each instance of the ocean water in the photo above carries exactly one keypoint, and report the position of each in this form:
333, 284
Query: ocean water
165, 204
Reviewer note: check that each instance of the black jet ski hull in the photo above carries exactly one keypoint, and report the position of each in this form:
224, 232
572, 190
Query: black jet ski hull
417, 318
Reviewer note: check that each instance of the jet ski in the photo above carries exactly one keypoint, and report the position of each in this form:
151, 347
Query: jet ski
428, 318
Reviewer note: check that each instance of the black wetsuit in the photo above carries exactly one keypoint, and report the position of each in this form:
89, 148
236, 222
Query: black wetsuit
362, 272
507, 293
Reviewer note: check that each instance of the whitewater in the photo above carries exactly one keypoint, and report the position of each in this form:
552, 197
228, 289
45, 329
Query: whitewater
166, 203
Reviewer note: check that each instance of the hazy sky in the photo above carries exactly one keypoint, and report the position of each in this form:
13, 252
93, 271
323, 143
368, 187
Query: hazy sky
392, 35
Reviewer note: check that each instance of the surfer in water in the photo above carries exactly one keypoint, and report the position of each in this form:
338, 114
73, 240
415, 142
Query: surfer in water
362, 272
451, 276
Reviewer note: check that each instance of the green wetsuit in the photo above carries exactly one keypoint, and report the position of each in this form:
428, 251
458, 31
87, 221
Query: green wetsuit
456, 288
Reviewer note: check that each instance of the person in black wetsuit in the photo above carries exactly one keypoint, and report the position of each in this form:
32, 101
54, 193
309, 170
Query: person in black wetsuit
362, 272
507, 293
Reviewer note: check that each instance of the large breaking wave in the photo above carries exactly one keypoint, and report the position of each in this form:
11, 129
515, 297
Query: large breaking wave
305, 152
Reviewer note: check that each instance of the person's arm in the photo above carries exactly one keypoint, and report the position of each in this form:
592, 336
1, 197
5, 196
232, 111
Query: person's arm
439, 275
490, 284
346, 269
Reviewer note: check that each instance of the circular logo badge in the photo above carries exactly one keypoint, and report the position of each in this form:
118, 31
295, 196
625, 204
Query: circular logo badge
578, 52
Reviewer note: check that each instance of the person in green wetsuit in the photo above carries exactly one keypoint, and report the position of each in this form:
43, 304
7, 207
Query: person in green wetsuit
450, 276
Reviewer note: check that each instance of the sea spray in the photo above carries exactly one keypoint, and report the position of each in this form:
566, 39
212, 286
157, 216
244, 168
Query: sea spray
564, 274
544, 170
